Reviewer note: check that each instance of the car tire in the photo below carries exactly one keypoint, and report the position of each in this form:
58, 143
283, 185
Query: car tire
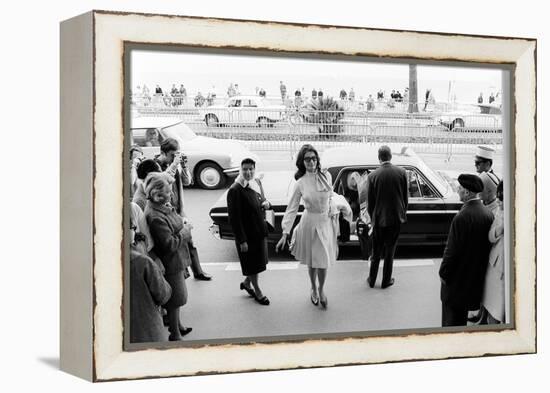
263, 122
209, 176
457, 123
212, 120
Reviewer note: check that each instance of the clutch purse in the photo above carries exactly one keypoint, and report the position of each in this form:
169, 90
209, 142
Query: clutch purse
270, 219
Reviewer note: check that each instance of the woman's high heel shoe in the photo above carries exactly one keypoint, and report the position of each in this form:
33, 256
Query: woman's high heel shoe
324, 302
314, 299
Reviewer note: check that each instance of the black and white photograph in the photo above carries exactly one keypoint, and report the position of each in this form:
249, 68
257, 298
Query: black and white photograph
282, 197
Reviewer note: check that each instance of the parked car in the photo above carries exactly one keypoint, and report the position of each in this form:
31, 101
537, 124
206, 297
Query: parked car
243, 110
433, 202
211, 161
489, 119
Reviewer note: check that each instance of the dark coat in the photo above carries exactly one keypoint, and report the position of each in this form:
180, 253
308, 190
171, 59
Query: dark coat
246, 217
465, 258
170, 245
148, 291
245, 214
388, 195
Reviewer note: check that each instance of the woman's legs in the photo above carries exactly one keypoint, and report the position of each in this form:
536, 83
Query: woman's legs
313, 279
322, 275
174, 323
253, 278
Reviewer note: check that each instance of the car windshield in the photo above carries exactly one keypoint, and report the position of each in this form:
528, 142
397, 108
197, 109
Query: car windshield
437, 180
180, 130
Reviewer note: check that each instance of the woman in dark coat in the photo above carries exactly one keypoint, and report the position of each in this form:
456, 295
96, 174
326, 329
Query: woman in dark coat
170, 237
246, 205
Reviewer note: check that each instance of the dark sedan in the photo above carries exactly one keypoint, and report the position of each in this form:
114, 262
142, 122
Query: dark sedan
433, 201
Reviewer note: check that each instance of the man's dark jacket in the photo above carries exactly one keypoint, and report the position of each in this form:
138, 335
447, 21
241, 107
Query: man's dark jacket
466, 256
388, 195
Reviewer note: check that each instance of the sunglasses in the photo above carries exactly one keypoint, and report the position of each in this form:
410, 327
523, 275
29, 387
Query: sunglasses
309, 159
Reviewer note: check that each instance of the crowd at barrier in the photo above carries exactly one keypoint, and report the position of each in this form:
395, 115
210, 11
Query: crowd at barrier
179, 97
472, 271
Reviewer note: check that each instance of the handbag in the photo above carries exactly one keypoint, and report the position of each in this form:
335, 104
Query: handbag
269, 214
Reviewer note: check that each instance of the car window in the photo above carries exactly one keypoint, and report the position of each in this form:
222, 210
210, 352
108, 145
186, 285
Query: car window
425, 189
235, 103
414, 186
249, 103
138, 137
146, 137
182, 131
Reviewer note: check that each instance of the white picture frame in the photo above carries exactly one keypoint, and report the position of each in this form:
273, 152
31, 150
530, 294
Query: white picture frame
92, 127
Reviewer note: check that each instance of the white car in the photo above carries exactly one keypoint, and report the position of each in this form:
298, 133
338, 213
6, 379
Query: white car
489, 119
211, 161
243, 110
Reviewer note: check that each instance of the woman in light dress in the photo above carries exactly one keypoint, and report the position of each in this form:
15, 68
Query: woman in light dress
493, 292
314, 242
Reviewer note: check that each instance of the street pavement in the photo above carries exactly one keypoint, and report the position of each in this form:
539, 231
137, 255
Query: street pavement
218, 310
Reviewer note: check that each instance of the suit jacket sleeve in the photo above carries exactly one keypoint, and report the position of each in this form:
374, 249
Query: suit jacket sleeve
370, 196
235, 214
163, 236
158, 286
453, 249
405, 191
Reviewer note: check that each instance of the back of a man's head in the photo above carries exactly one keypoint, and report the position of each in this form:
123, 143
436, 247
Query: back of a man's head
384, 153
168, 145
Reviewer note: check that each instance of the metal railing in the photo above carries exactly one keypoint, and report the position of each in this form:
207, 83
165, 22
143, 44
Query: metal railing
264, 128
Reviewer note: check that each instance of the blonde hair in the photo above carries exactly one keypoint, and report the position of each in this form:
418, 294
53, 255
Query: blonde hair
155, 183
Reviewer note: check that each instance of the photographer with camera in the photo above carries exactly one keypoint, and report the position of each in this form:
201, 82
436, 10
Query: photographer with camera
174, 163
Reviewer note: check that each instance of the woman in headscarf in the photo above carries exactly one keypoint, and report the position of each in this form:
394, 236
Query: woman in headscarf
246, 204
170, 236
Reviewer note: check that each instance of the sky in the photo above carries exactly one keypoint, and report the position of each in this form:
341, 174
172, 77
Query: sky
208, 71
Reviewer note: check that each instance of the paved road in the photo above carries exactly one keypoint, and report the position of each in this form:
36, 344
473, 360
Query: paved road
219, 310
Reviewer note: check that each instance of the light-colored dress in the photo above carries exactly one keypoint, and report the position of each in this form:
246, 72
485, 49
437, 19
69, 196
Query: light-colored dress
315, 237
493, 291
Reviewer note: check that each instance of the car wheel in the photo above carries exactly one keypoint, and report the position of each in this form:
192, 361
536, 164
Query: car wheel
457, 123
209, 176
262, 122
212, 121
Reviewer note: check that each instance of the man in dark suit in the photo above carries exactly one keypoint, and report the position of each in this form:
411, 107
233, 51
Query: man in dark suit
464, 263
387, 207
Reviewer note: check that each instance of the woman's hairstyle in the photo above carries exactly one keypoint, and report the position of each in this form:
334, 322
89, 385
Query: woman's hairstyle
147, 166
500, 192
300, 160
248, 161
169, 144
134, 148
155, 183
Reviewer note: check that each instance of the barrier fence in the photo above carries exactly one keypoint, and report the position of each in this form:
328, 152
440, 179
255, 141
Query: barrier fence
287, 129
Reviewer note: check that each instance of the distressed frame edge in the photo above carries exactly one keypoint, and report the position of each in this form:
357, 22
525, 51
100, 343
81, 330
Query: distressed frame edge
76, 207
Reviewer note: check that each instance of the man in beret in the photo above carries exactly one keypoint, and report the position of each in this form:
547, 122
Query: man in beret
464, 263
